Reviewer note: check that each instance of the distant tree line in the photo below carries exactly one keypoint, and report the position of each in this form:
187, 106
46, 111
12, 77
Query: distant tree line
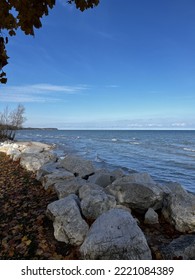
10, 121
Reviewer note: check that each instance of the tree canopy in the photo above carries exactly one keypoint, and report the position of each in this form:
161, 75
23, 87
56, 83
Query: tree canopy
26, 15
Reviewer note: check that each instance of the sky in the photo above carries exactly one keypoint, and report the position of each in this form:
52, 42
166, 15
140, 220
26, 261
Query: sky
126, 64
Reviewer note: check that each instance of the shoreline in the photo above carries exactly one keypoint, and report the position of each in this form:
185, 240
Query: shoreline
165, 156
71, 176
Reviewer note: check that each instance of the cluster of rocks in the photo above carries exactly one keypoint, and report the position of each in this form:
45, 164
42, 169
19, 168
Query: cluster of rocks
32, 155
96, 208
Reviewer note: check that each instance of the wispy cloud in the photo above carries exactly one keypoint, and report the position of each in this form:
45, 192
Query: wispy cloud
127, 124
182, 124
39, 92
106, 35
112, 86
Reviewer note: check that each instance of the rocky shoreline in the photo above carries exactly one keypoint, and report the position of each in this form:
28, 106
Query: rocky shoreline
111, 215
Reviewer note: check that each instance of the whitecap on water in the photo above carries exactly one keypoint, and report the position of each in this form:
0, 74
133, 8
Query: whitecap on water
134, 143
189, 150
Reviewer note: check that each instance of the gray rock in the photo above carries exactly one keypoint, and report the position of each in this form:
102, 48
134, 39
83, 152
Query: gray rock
49, 180
58, 207
48, 168
14, 150
119, 206
69, 226
88, 189
101, 177
151, 217
78, 166
140, 178
33, 162
95, 201
164, 189
68, 186
180, 248
179, 208
117, 173
33, 149
115, 235
138, 191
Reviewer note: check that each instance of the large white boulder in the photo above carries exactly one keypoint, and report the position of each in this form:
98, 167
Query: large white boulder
48, 168
69, 226
33, 162
94, 200
101, 177
138, 190
68, 186
115, 235
49, 180
179, 208
78, 166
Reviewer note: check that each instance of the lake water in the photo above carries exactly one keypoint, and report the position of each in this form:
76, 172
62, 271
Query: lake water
165, 155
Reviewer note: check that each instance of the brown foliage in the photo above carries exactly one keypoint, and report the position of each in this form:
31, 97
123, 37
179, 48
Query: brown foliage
84, 4
26, 15
25, 231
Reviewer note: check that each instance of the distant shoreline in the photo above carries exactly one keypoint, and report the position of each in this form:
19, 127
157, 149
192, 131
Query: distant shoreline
38, 128
103, 129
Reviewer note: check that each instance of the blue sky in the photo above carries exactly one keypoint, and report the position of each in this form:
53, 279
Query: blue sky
124, 65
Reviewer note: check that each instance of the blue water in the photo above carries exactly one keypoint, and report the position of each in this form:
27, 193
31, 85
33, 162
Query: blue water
165, 155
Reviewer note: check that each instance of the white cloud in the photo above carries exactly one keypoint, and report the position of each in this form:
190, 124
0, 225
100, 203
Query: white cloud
50, 88
178, 124
125, 124
39, 92
112, 86
106, 35
131, 124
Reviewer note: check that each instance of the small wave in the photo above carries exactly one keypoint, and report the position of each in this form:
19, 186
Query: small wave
189, 150
134, 143
98, 159
62, 157
114, 139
